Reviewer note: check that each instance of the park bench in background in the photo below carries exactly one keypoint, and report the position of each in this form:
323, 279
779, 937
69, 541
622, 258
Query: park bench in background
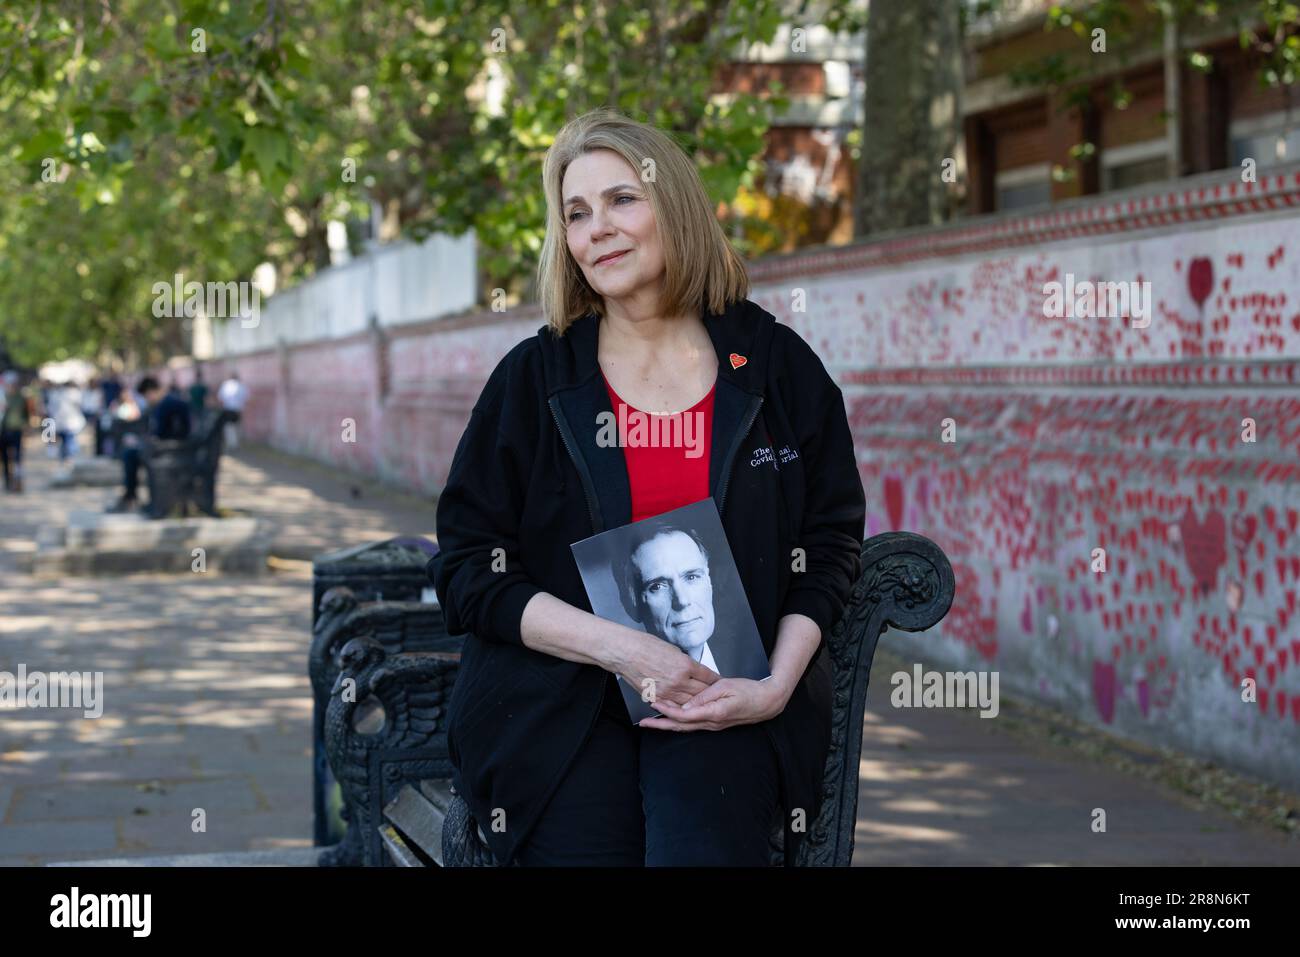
388, 747
183, 472
121, 428
164, 536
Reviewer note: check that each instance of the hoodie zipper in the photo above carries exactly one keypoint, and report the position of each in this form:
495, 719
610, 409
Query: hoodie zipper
735, 447
587, 489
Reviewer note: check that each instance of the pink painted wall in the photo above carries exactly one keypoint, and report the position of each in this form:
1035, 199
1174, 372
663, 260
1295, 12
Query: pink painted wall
1071, 434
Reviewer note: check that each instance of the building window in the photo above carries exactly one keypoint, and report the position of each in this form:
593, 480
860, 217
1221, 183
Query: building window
1135, 164
1268, 140
1125, 175
1024, 187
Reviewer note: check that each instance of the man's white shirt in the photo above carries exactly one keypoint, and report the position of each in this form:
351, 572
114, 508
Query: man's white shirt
232, 395
706, 659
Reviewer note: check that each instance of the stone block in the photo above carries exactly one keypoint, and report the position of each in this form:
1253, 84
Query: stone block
100, 543
98, 472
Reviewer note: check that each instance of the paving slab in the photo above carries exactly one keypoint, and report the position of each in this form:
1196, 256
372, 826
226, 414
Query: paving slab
46, 839
121, 799
278, 857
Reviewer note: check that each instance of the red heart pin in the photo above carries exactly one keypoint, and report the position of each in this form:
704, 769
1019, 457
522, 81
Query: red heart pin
737, 361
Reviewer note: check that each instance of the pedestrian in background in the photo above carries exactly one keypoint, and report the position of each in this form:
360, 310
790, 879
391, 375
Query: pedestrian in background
65, 410
166, 415
198, 394
112, 393
19, 407
233, 395
92, 404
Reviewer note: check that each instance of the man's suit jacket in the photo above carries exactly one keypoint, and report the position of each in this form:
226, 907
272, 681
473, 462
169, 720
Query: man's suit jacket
738, 654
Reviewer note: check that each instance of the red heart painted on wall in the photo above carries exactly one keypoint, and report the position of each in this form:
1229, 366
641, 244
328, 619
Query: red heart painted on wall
1200, 279
894, 501
1203, 546
1103, 690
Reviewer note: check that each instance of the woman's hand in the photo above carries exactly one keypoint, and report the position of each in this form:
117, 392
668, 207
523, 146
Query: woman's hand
660, 671
725, 703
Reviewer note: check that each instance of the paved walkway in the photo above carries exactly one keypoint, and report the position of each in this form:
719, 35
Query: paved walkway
207, 702
948, 787
208, 707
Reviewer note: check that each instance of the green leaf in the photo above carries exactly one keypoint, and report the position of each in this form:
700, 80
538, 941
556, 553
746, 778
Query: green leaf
43, 144
143, 92
270, 94
269, 147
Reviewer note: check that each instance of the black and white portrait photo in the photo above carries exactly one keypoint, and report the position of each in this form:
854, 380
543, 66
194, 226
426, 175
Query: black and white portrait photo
673, 576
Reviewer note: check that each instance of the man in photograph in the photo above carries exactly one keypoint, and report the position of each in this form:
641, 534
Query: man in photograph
665, 586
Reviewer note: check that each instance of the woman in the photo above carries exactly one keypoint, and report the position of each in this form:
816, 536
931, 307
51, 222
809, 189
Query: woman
65, 409
645, 305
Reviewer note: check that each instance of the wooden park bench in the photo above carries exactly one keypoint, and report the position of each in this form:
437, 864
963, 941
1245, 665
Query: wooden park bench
388, 745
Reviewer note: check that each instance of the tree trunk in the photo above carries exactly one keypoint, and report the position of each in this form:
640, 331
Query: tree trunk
912, 118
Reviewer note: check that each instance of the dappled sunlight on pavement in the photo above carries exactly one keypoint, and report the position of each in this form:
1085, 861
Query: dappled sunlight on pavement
206, 701
946, 787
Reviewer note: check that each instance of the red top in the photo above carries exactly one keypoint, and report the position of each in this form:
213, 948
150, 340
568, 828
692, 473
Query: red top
667, 455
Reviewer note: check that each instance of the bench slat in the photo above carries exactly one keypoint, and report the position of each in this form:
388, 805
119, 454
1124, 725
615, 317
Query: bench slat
419, 821
401, 854
438, 791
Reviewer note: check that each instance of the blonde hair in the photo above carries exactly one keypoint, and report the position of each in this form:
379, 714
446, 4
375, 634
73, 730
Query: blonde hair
702, 269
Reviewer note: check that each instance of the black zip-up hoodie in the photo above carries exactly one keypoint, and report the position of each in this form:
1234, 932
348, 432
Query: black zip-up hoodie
528, 479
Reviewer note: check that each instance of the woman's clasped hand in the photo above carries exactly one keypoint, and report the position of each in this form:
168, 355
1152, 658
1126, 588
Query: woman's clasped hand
725, 703
692, 697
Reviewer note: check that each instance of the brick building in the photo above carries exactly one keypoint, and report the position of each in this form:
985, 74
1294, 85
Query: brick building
1147, 112
807, 180
1021, 139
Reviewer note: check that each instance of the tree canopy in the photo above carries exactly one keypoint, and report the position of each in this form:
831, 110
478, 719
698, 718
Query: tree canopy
143, 138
